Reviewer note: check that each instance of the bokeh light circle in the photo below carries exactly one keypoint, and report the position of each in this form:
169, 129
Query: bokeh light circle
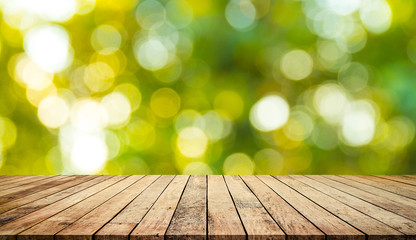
269, 113
49, 47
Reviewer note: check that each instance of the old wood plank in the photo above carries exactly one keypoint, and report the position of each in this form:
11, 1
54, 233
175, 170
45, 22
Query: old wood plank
9, 230
223, 220
23, 209
20, 191
6, 178
402, 178
21, 181
374, 229
190, 218
256, 221
123, 224
86, 226
156, 221
291, 221
397, 222
33, 189
384, 184
49, 227
331, 225
390, 201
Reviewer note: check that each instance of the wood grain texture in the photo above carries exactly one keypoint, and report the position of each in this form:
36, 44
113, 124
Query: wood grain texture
26, 184
120, 227
331, 225
168, 207
397, 222
86, 226
190, 219
374, 229
223, 220
11, 229
402, 179
24, 206
257, 222
379, 197
51, 226
156, 221
16, 181
385, 184
295, 225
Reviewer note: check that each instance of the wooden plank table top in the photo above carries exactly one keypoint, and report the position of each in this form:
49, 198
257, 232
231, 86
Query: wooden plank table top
155, 207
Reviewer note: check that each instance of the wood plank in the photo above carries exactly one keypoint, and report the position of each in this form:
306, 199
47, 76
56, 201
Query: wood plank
223, 220
6, 178
156, 221
385, 184
332, 226
34, 189
20, 181
123, 224
13, 178
51, 226
9, 230
374, 229
24, 209
86, 226
401, 178
256, 221
397, 204
291, 221
20, 191
190, 218
397, 222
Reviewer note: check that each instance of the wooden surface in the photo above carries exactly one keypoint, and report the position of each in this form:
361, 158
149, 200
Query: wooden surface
207, 207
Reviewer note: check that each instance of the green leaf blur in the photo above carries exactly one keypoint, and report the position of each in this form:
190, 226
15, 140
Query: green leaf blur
207, 87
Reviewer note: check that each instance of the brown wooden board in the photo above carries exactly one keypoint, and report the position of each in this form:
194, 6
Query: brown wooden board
371, 227
214, 207
331, 225
156, 221
223, 220
256, 220
120, 227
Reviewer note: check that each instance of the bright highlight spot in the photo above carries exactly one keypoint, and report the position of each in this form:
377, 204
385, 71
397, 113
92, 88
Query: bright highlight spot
31, 74
358, 123
117, 107
192, 142
240, 14
269, 113
152, 54
330, 101
296, 65
89, 115
48, 46
89, 154
238, 163
376, 15
53, 111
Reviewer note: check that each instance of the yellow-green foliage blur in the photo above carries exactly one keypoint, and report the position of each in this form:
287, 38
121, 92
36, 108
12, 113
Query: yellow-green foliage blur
207, 87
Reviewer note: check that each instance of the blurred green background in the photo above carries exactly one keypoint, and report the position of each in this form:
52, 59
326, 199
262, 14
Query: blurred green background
207, 87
